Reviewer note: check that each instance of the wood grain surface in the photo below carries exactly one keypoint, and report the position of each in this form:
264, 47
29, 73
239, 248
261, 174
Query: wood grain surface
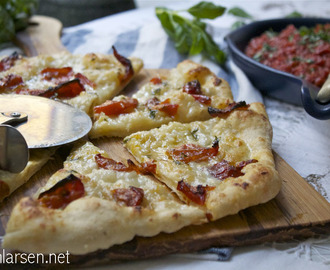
298, 211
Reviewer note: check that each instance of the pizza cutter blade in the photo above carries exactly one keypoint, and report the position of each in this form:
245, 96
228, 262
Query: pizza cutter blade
48, 123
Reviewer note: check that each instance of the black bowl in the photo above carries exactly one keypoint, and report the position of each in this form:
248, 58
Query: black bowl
275, 83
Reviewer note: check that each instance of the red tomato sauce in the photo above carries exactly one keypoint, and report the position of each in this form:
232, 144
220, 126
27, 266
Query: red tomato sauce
303, 52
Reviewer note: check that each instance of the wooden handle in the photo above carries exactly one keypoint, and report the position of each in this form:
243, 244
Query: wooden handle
43, 36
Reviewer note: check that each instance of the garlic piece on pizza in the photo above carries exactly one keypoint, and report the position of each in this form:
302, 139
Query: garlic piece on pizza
184, 96
222, 165
93, 203
80, 80
9, 181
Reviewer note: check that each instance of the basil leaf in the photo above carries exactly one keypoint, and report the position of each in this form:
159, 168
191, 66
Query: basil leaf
238, 12
206, 10
237, 24
294, 14
197, 43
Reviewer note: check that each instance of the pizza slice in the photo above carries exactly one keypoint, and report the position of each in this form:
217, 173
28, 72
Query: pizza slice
80, 80
222, 165
9, 182
183, 95
95, 202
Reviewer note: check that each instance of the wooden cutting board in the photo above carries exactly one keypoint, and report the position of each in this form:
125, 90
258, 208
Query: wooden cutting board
298, 211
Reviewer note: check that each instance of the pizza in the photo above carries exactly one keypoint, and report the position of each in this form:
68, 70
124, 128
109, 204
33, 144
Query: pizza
184, 95
184, 169
95, 202
222, 165
82, 81
9, 181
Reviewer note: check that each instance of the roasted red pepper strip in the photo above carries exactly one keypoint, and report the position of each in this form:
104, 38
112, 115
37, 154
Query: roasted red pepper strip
231, 107
196, 194
194, 89
129, 71
11, 81
193, 153
65, 90
114, 108
65, 191
9, 61
110, 164
57, 74
84, 80
164, 106
223, 169
131, 196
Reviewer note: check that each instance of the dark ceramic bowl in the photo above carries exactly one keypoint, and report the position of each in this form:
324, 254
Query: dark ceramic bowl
278, 84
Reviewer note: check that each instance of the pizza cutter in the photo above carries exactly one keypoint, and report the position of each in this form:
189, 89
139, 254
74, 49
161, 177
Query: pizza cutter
28, 122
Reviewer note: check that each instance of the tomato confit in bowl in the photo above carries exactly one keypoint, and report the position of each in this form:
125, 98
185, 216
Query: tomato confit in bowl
289, 73
303, 51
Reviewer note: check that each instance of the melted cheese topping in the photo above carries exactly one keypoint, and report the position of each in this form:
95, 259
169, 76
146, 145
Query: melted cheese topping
100, 183
103, 70
154, 144
170, 88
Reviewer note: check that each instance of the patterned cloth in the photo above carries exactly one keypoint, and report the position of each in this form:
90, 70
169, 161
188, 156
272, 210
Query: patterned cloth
298, 138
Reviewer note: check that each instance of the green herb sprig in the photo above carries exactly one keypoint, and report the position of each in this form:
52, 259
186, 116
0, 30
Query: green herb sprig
14, 16
190, 35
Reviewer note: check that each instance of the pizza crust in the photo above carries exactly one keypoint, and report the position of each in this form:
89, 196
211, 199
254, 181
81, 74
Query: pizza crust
38, 158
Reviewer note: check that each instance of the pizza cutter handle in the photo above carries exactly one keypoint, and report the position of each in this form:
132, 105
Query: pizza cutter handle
12, 118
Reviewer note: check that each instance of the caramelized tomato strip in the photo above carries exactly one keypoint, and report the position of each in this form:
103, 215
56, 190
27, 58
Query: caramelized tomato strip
9, 61
84, 80
110, 164
231, 107
149, 167
156, 80
114, 108
194, 89
202, 99
223, 169
65, 90
11, 81
164, 106
193, 153
65, 191
129, 71
197, 194
58, 74
131, 196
